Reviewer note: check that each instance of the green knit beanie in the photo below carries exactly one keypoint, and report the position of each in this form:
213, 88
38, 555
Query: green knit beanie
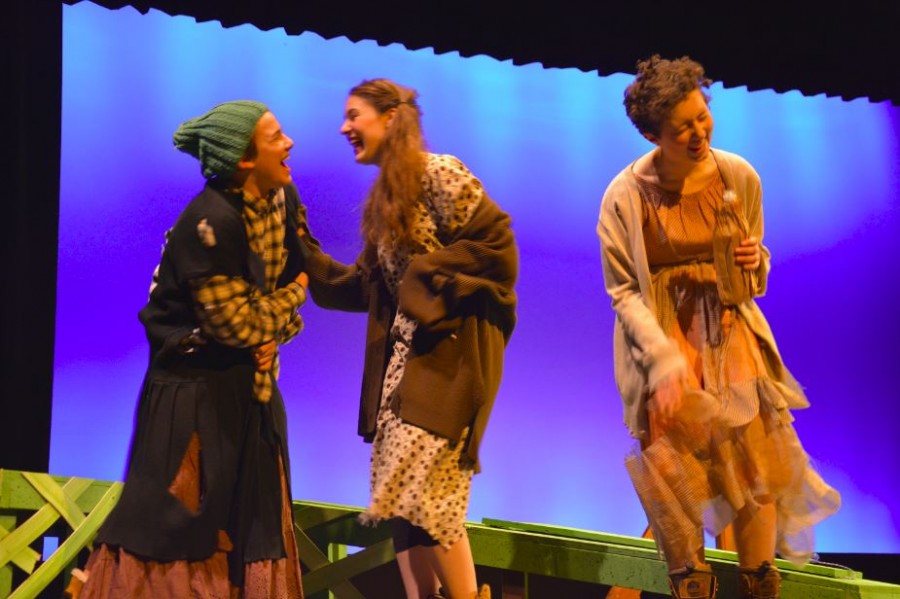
219, 138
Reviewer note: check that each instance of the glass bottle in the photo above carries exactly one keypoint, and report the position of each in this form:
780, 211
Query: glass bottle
733, 282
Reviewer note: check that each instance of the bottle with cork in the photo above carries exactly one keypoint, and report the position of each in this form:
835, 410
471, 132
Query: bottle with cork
735, 285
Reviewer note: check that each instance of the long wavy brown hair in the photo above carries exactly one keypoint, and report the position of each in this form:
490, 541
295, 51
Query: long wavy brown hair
660, 84
389, 211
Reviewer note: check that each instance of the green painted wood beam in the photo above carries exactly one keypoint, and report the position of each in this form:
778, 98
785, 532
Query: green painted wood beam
309, 514
7, 522
631, 562
54, 493
625, 544
337, 524
15, 546
66, 552
329, 576
571, 559
518, 548
17, 493
314, 559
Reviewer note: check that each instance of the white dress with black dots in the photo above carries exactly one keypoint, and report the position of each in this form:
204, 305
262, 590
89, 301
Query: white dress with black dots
417, 475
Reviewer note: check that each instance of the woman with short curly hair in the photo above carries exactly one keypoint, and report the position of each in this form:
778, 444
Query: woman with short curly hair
703, 386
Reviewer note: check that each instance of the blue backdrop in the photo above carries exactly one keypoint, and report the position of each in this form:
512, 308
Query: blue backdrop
545, 142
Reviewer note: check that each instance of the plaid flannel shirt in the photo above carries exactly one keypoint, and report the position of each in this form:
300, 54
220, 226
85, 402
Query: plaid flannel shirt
236, 312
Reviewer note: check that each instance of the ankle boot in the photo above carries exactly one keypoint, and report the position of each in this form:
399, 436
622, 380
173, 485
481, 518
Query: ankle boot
483, 593
693, 583
763, 582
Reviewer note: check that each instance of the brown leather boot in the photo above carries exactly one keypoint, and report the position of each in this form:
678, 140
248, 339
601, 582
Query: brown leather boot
763, 582
693, 583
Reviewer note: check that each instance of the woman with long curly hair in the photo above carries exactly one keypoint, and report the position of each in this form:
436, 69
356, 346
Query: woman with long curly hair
703, 385
436, 276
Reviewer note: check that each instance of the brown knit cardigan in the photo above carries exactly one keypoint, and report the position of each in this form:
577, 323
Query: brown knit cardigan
462, 297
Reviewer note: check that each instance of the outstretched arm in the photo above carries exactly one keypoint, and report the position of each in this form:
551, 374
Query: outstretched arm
237, 314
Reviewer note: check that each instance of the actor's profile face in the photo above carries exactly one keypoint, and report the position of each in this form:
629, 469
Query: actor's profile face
365, 128
687, 133
273, 149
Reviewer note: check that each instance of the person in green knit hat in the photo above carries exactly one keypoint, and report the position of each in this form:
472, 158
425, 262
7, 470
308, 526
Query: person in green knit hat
206, 509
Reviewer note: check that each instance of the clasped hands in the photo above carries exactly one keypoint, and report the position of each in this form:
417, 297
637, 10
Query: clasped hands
264, 353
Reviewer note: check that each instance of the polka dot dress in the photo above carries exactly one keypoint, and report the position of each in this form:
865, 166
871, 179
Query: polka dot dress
417, 475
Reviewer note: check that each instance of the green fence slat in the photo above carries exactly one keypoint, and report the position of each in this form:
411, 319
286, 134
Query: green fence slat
621, 543
17, 493
310, 554
352, 565
309, 515
15, 546
573, 557
69, 549
313, 558
568, 532
518, 549
7, 521
6, 573
337, 552
55, 496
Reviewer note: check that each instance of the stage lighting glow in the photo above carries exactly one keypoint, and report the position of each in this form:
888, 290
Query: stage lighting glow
545, 142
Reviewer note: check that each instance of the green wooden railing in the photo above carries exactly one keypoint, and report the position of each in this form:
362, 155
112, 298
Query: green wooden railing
30, 504
33, 505
632, 562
